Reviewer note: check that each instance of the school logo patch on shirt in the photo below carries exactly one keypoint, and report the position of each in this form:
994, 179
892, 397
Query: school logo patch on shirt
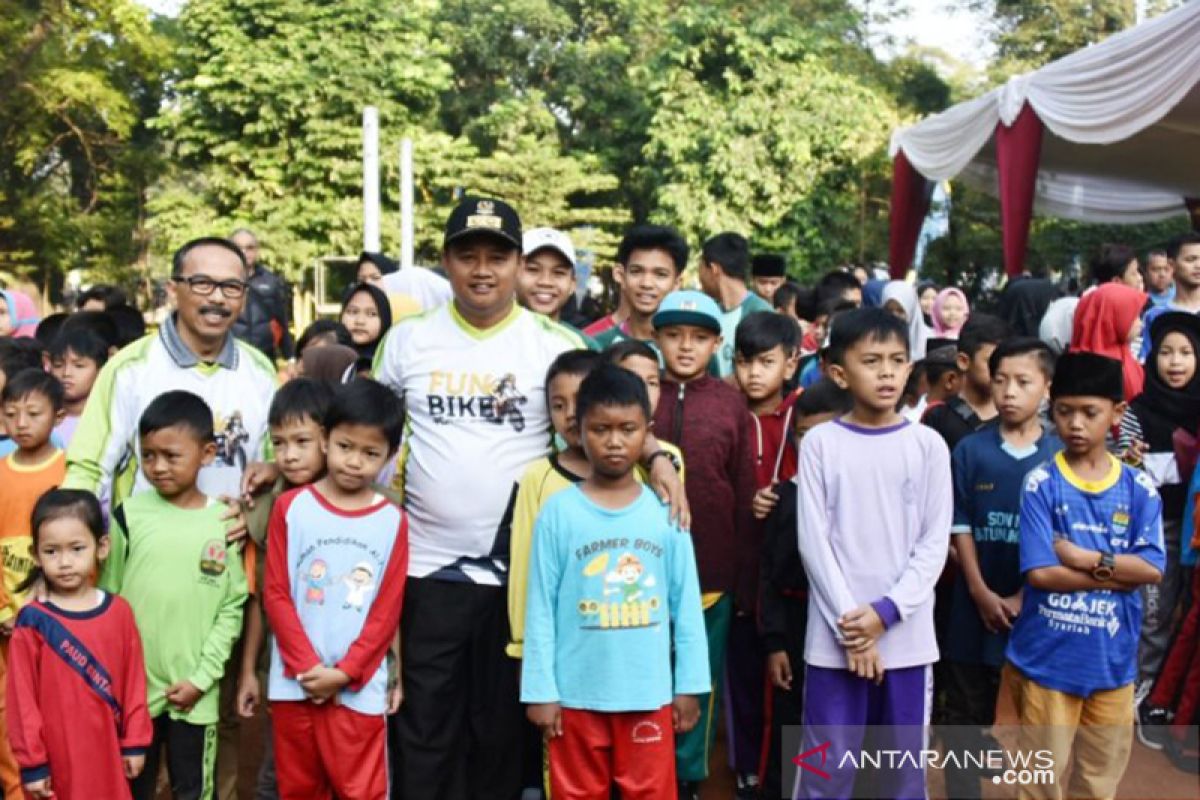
212, 559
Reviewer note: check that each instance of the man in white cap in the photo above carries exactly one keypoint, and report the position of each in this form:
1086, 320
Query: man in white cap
547, 280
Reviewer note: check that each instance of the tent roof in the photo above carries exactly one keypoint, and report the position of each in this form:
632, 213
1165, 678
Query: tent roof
1122, 126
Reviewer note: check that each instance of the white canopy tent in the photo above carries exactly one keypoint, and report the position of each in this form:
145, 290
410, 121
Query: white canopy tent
1110, 133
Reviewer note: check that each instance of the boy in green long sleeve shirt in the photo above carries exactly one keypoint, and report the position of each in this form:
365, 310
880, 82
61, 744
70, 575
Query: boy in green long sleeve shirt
170, 561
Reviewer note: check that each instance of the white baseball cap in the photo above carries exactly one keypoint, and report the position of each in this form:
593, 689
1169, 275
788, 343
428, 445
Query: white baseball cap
540, 238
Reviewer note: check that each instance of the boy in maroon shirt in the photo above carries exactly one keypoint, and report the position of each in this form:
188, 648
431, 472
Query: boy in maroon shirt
709, 421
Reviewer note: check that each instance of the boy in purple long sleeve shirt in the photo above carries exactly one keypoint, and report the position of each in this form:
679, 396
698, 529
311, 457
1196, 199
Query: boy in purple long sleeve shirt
876, 503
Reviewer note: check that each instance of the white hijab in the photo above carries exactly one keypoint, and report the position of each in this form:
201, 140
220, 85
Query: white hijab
918, 332
1055, 328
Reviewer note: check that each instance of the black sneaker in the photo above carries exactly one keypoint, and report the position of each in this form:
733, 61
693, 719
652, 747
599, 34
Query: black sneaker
1151, 724
747, 787
689, 790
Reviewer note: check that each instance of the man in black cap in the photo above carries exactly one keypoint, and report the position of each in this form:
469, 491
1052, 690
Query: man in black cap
768, 271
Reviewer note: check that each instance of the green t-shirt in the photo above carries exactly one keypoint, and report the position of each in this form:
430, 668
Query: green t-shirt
722, 363
186, 586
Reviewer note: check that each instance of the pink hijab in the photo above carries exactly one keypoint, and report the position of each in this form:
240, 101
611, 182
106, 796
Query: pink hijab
22, 313
939, 329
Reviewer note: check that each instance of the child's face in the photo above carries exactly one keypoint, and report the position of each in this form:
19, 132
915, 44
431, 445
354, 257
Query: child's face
355, 455
976, 369
894, 308
952, 311
613, 437
6, 325
361, 318
647, 278
819, 327
30, 420
545, 282
806, 422
874, 371
68, 553
172, 458
76, 373
297, 445
1176, 360
1018, 388
1083, 422
647, 370
687, 349
762, 376
561, 394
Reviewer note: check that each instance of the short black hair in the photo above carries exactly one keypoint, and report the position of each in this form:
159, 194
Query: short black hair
82, 342
321, 328
730, 251
17, 355
789, 293
610, 385
178, 408
654, 237
1158, 251
572, 362
936, 370
34, 381
180, 258
763, 330
981, 330
131, 325
824, 397
370, 403
1110, 262
835, 284
111, 296
833, 305
77, 504
1024, 346
1177, 243
48, 329
862, 324
298, 400
99, 323
618, 352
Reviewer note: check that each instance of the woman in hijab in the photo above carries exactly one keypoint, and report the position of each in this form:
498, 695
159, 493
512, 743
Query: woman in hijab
900, 298
367, 314
950, 312
927, 292
1107, 321
331, 363
20, 316
1055, 327
1023, 303
872, 293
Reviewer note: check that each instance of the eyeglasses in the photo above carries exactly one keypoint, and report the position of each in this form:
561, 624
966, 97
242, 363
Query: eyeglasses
204, 286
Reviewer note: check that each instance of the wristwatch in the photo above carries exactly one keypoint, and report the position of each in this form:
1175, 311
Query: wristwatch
666, 454
1104, 570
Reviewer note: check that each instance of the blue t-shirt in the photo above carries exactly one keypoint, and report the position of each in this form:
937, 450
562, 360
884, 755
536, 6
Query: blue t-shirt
988, 478
610, 592
1083, 642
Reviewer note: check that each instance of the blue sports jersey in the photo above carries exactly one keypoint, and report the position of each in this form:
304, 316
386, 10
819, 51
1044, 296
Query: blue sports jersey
1083, 642
988, 478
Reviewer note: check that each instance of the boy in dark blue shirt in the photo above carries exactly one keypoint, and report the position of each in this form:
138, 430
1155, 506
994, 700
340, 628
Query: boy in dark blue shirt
1091, 534
989, 468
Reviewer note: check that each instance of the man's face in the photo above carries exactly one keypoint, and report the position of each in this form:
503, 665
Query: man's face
483, 274
1186, 266
546, 282
249, 247
205, 308
1158, 274
647, 278
765, 286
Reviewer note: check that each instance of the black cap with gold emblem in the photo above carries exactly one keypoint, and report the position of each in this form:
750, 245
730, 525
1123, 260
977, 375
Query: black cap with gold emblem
482, 215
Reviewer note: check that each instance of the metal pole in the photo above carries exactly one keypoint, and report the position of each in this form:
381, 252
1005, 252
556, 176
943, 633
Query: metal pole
371, 179
406, 203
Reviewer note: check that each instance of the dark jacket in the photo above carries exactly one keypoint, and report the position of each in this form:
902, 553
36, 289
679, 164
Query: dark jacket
783, 580
709, 421
268, 300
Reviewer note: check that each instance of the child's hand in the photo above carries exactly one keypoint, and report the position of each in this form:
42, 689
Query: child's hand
322, 683
993, 609
1073, 556
257, 477
234, 518
395, 698
764, 502
866, 664
779, 669
183, 695
860, 628
249, 693
39, 788
547, 717
6, 627
664, 480
685, 712
133, 765
1135, 453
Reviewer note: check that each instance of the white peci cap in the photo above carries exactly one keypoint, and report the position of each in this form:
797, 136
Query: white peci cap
540, 238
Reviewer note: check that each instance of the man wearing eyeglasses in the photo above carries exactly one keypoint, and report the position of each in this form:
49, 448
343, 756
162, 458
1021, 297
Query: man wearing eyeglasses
264, 320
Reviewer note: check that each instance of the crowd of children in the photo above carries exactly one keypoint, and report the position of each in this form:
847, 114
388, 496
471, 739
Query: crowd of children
804, 515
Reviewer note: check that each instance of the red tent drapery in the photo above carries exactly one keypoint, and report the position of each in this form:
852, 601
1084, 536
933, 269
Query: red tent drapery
910, 203
1018, 151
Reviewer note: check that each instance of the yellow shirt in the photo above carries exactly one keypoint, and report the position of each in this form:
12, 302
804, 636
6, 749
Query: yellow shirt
20, 487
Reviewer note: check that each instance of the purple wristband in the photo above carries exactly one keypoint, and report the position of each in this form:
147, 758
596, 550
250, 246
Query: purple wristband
887, 611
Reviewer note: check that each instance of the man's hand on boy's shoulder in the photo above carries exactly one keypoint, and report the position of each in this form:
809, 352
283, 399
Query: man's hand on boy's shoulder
256, 479
860, 628
234, 518
547, 717
665, 482
685, 712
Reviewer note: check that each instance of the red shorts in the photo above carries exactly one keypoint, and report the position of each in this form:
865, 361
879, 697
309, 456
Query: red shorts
326, 750
634, 749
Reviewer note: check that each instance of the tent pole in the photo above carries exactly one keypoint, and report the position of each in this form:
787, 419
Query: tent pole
910, 203
1018, 151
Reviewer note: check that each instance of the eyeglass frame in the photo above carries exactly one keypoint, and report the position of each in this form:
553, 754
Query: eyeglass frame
191, 280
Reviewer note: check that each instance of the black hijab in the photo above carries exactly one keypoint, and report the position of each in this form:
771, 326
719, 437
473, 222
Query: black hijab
1023, 303
1161, 409
382, 305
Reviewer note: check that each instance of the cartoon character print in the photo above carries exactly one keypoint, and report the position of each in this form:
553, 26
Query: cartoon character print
627, 579
359, 583
232, 438
508, 397
316, 580
626, 597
